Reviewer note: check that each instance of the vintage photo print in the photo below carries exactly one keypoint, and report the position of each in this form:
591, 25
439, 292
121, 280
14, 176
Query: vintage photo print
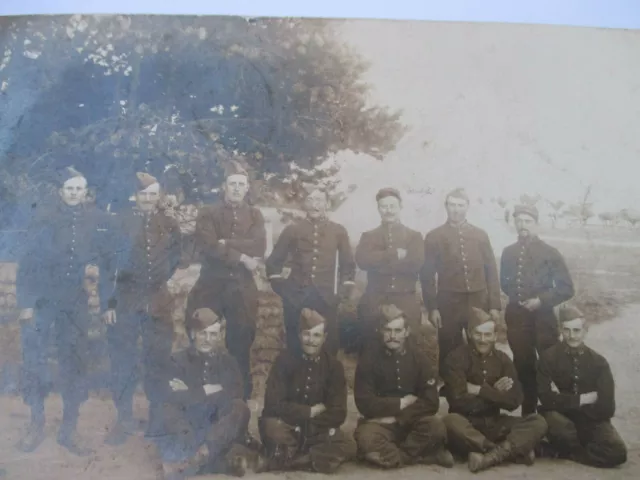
259, 246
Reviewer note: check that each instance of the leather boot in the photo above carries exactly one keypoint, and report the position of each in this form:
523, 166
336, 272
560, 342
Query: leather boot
441, 457
500, 454
33, 437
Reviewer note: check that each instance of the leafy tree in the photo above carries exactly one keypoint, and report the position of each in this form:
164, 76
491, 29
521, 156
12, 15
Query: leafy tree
631, 216
530, 199
607, 218
117, 94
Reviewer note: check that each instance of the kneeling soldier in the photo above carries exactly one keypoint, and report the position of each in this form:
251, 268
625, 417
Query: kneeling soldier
576, 390
305, 404
396, 392
479, 381
203, 414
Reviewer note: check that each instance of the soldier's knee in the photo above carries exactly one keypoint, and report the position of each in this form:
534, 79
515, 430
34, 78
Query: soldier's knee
368, 437
432, 425
537, 423
240, 410
611, 453
557, 423
454, 422
274, 430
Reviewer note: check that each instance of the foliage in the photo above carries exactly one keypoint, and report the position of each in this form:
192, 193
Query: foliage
117, 94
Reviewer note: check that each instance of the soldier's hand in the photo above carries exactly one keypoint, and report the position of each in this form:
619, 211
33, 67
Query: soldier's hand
473, 389
407, 400
402, 253
504, 384
25, 314
531, 304
178, 385
346, 290
317, 409
109, 317
250, 263
435, 318
210, 389
588, 398
554, 388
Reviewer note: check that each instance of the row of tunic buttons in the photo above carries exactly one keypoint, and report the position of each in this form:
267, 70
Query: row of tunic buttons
73, 243
464, 259
575, 375
398, 371
146, 231
519, 276
233, 230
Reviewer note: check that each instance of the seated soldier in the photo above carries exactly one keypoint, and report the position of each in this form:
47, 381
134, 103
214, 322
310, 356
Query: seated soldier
203, 414
479, 382
576, 390
305, 404
396, 392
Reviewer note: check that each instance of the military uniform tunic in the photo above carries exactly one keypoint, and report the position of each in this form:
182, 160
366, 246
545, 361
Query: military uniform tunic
149, 250
389, 279
297, 382
62, 241
191, 418
225, 285
459, 272
474, 422
583, 432
532, 269
382, 378
312, 247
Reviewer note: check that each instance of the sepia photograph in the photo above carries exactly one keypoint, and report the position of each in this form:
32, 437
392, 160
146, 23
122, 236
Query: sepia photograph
252, 247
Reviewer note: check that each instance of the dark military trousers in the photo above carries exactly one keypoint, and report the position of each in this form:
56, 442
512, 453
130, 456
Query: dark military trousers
369, 313
68, 329
454, 310
294, 299
586, 441
327, 449
125, 356
529, 334
238, 303
399, 445
184, 429
480, 434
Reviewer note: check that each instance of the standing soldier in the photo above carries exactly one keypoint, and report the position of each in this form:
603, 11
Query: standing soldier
459, 273
203, 413
305, 404
534, 276
149, 251
392, 255
313, 244
577, 393
50, 288
230, 236
480, 382
396, 391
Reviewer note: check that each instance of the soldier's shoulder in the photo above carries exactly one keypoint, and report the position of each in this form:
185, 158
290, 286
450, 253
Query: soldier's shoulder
411, 231
336, 226
551, 353
332, 361
502, 356
509, 249
598, 358
480, 232
458, 356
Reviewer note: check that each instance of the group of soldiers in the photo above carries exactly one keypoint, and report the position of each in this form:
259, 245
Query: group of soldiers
198, 413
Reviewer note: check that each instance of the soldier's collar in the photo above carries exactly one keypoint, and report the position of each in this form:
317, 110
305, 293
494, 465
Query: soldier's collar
320, 221
574, 352
233, 206
393, 353
462, 224
478, 354
309, 358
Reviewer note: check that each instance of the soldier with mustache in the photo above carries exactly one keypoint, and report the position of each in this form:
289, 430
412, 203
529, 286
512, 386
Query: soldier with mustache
305, 403
392, 255
396, 392
534, 276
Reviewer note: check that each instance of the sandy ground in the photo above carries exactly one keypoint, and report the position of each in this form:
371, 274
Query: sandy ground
617, 339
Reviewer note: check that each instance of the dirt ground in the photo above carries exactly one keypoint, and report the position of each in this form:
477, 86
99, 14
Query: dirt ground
608, 283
